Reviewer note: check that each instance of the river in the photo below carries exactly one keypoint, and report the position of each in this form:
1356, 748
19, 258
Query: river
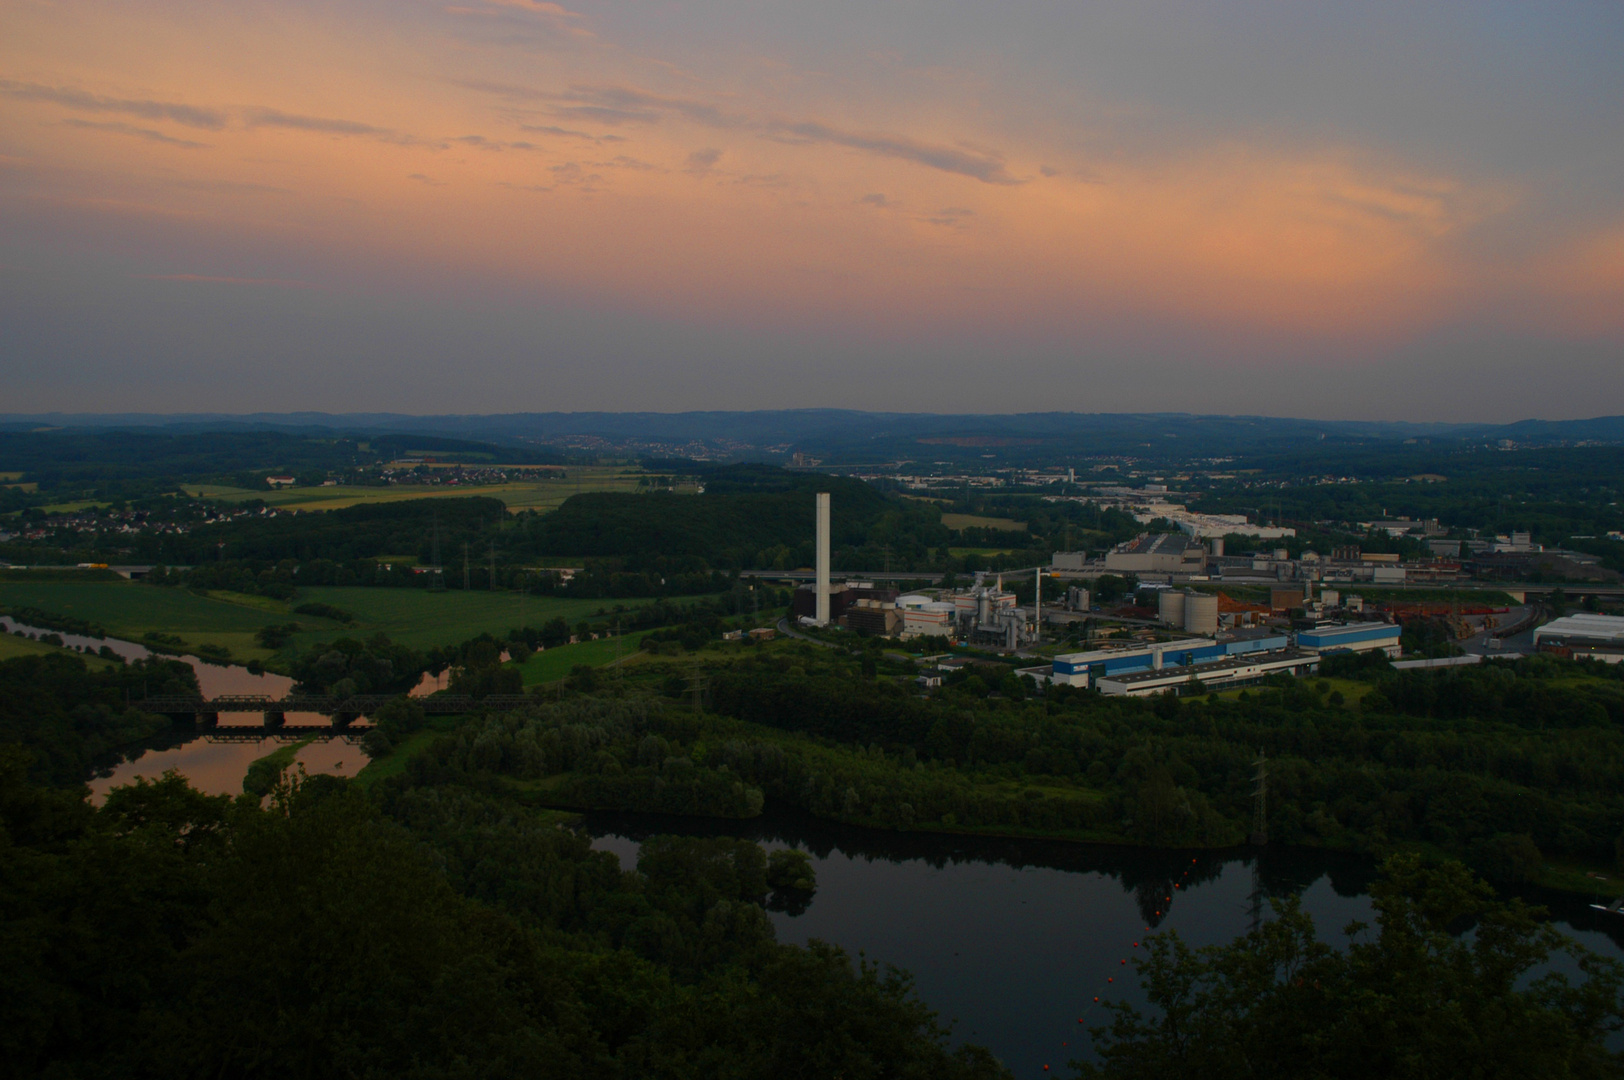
1010, 939
1013, 939
215, 760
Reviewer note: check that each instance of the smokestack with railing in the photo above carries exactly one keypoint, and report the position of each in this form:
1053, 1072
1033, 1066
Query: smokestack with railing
823, 559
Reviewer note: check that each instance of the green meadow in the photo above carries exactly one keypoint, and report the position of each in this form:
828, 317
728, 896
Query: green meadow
540, 493
551, 665
414, 617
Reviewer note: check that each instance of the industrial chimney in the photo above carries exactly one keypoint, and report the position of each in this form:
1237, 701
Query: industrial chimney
823, 559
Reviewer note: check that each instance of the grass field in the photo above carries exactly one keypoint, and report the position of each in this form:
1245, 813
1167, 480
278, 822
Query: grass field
414, 617
971, 521
538, 494
554, 664
418, 617
11, 645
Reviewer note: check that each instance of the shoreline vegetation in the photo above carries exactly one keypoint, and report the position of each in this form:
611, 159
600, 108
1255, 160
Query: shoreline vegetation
988, 756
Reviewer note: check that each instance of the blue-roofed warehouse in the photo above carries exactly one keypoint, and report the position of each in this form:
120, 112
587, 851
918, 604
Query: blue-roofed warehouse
1354, 637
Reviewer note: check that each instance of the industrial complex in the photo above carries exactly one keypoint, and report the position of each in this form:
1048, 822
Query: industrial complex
1201, 645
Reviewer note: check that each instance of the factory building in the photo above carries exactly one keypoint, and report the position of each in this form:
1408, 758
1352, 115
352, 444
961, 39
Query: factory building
843, 597
1600, 637
1353, 637
1213, 674
1157, 553
1088, 668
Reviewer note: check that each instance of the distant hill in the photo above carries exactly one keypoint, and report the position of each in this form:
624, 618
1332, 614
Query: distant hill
845, 437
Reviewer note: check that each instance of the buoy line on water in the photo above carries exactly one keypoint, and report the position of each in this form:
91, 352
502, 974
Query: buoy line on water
1088, 1007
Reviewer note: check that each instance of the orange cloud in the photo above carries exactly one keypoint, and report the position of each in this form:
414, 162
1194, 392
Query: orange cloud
606, 176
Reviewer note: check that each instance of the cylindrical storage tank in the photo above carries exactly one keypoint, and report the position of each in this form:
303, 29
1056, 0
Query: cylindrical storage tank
1170, 607
1201, 614
1218, 546
983, 608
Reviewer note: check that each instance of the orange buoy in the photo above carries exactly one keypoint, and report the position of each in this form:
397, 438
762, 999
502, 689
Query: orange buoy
1136, 944
1124, 962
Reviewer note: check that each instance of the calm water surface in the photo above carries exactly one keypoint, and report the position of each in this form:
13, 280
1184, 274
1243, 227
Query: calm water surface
1011, 940
1014, 939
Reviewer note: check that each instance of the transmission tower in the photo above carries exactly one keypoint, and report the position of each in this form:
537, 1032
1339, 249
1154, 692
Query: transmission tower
1260, 796
438, 584
697, 685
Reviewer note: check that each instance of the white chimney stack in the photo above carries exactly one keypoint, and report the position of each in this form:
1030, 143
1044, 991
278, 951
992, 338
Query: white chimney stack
823, 559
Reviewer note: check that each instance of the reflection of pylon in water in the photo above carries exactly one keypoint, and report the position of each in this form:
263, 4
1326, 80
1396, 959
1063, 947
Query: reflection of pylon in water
1255, 906
1260, 796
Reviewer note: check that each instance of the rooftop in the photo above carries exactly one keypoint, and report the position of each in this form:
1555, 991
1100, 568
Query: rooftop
1216, 667
1157, 544
1585, 625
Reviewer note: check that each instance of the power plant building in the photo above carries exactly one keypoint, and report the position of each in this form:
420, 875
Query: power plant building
924, 617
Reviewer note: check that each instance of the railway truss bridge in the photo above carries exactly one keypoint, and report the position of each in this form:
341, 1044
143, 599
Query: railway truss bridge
342, 711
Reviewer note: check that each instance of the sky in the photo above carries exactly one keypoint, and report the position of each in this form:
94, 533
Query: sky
1369, 209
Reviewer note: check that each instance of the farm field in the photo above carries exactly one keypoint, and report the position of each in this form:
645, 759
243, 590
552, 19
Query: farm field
421, 619
538, 494
973, 521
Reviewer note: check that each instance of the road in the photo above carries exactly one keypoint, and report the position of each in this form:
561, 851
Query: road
1527, 616
787, 630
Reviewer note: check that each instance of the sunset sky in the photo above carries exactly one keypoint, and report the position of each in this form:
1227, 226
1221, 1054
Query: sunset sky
1355, 209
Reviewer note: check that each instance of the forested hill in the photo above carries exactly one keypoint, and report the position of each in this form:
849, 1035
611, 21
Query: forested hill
368, 531
746, 516
743, 515
78, 463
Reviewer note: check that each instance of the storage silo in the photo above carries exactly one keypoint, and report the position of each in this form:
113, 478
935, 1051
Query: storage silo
1201, 614
1170, 607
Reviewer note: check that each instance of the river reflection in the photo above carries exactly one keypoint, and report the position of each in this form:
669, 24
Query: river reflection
215, 760
1015, 938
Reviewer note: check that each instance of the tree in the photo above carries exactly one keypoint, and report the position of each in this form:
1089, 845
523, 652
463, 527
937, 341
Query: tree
1417, 999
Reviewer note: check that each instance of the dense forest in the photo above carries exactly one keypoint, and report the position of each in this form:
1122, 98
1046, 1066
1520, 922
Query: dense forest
441, 922
1410, 997
435, 931
1503, 765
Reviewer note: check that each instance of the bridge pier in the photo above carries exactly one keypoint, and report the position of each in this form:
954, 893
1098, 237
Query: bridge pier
344, 719
208, 719
274, 719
